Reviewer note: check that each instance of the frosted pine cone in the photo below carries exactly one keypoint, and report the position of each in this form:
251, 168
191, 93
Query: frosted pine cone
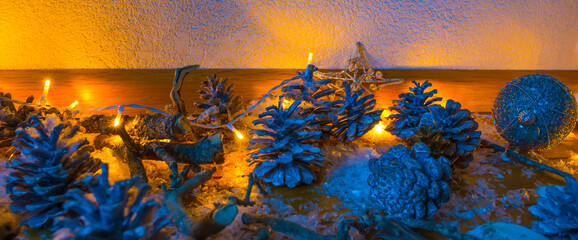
409, 184
314, 100
356, 114
220, 103
557, 211
113, 212
458, 127
283, 148
53, 158
433, 138
410, 108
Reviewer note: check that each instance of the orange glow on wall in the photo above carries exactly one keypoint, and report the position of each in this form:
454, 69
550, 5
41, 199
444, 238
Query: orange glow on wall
269, 34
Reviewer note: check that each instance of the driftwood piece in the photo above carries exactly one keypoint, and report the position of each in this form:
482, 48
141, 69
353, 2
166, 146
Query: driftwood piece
288, 228
180, 74
205, 226
97, 123
395, 230
387, 228
207, 150
512, 154
132, 154
160, 127
246, 201
447, 231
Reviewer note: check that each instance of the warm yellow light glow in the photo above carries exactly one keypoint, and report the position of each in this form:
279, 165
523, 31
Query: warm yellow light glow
45, 93
73, 104
286, 103
310, 59
239, 135
117, 119
379, 128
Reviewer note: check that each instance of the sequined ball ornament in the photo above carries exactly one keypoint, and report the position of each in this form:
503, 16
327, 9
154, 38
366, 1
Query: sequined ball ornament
535, 112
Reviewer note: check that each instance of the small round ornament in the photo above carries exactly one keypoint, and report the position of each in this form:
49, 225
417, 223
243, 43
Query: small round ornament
535, 112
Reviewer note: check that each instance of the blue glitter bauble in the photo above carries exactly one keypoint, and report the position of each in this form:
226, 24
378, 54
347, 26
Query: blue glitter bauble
535, 112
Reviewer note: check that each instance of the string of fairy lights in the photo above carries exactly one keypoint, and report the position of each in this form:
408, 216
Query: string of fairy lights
117, 119
43, 100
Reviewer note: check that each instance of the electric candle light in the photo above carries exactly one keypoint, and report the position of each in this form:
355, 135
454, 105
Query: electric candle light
45, 93
117, 119
379, 128
310, 59
239, 135
72, 105
286, 103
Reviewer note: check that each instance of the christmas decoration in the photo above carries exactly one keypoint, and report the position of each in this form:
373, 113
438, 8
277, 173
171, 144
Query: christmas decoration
535, 112
314, 100
220, 105
204, 226
458, 127
557, 210
96, 123
356, 114
358, 73
283, 148
409, 184
178, 81
308, 90
53, 158
10, 117
410, 108
433, 138
160, 127
113, 212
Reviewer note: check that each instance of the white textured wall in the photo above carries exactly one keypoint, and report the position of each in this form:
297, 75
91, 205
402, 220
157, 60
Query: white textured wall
497, 34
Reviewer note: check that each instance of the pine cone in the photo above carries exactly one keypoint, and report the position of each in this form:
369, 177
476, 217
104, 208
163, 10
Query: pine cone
283, 148
219, 95
53, 158
433, 138
96, 123
24, 111
458, 127
557, 211
10, 117
308, 90
113, 212
314, 100
409, 184
7, 104
7, 125
410, 109
356, 115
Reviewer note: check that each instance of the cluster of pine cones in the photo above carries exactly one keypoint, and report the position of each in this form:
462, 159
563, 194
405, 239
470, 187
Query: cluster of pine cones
53, 186
448, 131
413, 181
285, 148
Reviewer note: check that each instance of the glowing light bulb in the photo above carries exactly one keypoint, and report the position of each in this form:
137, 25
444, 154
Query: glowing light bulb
286, 103
73, 104
239, 135
310, 59
45, 93
379, 128
117, 119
